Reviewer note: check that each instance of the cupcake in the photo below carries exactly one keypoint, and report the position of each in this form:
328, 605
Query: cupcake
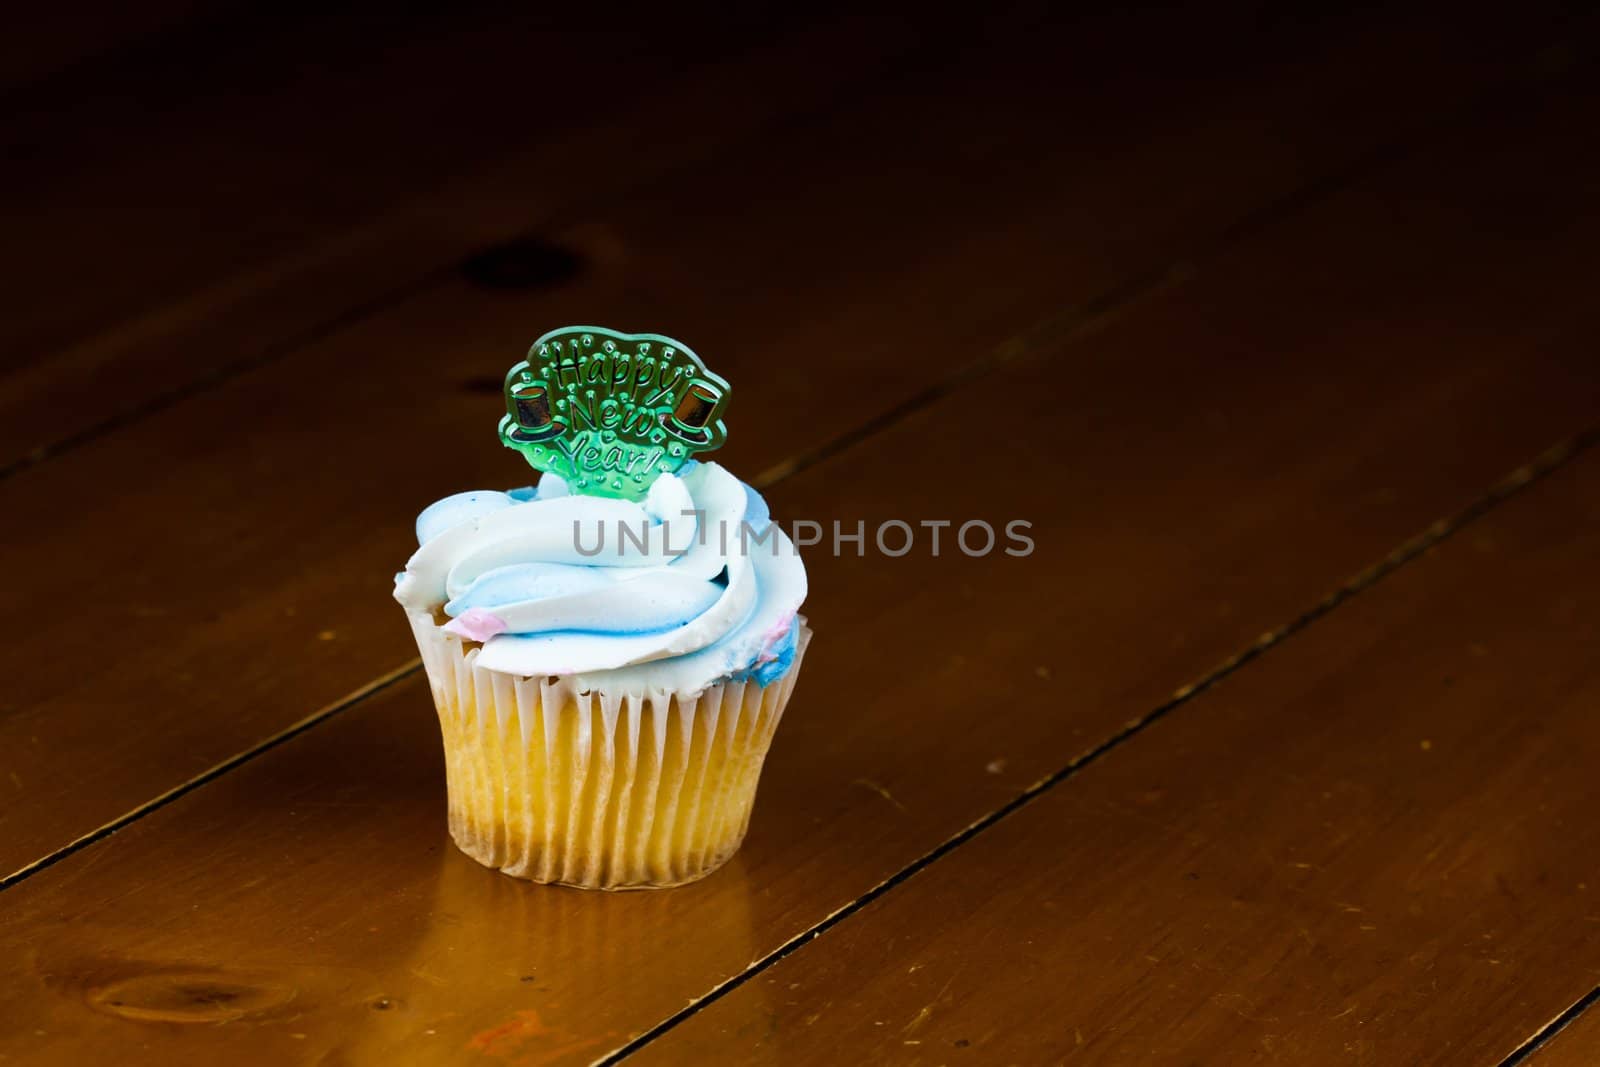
611, 649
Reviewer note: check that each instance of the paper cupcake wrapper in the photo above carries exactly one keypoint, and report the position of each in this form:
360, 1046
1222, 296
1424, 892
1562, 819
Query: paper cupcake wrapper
596, 789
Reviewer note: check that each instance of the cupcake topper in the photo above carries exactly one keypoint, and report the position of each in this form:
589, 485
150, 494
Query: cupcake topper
611, 412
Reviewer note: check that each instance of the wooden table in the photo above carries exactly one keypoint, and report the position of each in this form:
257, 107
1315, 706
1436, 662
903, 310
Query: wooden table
1282, 745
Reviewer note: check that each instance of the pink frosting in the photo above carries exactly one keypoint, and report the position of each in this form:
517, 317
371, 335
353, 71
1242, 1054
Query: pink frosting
476, 624
771, 636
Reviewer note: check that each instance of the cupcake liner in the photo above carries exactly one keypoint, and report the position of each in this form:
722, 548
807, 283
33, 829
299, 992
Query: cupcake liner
603, 790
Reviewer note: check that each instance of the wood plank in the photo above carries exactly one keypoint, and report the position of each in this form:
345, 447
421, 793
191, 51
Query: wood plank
1373, 845
295, 556
1389, 359
360, 217
202, 204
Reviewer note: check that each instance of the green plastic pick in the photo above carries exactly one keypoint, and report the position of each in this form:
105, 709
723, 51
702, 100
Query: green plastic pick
611, 412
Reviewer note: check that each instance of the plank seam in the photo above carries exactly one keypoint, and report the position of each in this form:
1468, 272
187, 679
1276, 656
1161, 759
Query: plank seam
222, 373
345, 703
1081, 320
1549, 1030
1440, 531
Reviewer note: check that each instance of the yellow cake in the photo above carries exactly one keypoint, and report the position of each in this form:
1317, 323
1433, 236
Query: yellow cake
587, 789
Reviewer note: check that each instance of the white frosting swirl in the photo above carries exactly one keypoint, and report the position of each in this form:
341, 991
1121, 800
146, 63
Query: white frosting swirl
690, 587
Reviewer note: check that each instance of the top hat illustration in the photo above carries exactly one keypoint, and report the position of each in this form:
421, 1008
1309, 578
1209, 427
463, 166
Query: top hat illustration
689, 420
532, 421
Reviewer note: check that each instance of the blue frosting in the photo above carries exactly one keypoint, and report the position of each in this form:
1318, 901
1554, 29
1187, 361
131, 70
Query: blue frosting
756, 513
527, 609
654, 602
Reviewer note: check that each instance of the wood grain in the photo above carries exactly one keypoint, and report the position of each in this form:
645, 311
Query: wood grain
1388, 359
253, 538
1373, 845
308, 196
